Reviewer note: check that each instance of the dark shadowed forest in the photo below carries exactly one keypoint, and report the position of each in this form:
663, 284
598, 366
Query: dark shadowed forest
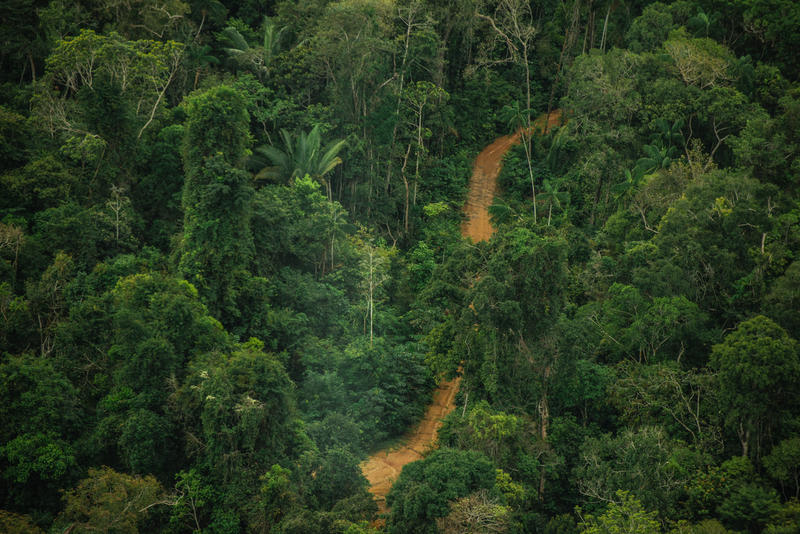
232, 265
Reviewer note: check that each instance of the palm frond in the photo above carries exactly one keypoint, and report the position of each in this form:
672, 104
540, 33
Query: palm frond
235, 40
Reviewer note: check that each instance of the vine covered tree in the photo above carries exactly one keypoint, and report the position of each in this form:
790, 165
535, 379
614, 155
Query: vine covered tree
217, 196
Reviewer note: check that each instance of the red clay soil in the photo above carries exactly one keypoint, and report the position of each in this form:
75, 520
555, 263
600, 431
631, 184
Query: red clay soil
382, 468
483, 184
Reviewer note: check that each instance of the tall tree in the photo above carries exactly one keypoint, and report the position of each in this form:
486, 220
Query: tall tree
217, 196
514, 26
142, 70
516, 301
417, 97
108, 501
758, 367
374, 266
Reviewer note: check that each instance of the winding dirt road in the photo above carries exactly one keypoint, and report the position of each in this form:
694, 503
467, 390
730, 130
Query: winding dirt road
483, 184
382, 468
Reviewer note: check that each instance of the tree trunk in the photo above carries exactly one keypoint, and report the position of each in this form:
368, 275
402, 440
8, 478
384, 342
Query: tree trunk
586, 32
199, 29
605, 27
33, 67
527, 81
405, 184
569, 40
371, 289
528, 157
407, 44
544, 411
419, 149
744, 439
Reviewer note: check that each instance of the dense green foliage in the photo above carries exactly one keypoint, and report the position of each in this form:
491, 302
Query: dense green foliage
231, 265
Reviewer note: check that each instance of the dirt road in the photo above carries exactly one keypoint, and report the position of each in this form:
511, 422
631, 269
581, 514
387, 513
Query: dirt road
382, 468
483, 184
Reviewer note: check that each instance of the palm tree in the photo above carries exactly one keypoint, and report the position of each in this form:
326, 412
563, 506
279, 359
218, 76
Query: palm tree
550, 192
660, 153
669, 134
199, 57
271, 43
305, 154
259, 58
501, 213
208, 9
554, 153
701, 24
656, 157
632, 180
237, 47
